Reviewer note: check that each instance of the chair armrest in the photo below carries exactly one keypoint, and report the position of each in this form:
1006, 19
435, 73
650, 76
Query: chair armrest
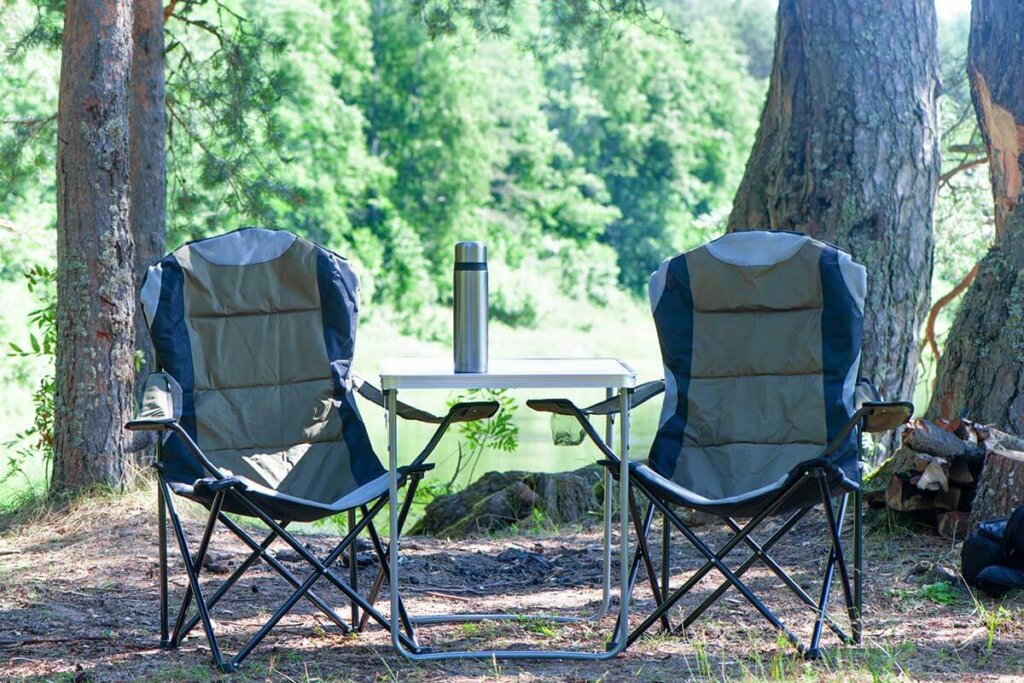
881, 416
161, 404
469, 411
609, 406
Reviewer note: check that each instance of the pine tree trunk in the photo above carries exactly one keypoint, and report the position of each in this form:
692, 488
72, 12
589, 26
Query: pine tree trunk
148, 145
847, 151
981, 372
95, 254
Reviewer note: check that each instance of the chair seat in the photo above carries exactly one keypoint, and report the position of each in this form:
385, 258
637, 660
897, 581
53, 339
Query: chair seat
752, 502
285, 508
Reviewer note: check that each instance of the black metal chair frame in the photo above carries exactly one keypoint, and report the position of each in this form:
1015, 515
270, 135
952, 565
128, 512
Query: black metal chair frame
873, 416
231, 489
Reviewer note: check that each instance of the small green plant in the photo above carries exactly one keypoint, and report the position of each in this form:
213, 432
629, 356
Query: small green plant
500, 432
940, 592
540, 627
42, 343
703, 661
993, 620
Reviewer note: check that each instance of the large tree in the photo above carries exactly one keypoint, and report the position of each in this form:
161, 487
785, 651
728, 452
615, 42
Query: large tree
848, 151
95, 253
148, 150
981, 372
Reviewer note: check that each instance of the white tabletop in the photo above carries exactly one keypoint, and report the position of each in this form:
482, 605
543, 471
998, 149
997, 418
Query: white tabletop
507, 373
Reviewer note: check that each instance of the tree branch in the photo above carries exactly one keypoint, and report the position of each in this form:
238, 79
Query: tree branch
169, 10
933, 314
962, 166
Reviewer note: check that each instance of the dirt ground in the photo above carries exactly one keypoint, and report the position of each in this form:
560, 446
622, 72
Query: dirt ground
78, 601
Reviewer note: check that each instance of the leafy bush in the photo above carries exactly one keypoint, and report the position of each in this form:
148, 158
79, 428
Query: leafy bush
38, 438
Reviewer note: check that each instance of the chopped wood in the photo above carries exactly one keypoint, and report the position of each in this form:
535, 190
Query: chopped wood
953, 524
960, 473
924, 436
903, 496
948, 500
934, 477
1000, 486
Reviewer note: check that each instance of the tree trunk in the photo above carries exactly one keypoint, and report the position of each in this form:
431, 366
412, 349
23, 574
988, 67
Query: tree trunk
981, 372
1000, 489
847, 151
95, 254
148, 145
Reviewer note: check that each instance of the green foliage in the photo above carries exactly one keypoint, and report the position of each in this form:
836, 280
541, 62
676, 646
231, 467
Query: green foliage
941, 593
37, 439
499, 433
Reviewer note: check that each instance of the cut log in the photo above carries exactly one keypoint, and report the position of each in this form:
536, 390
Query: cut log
934, 477
960, 473
1000, 486
927, 437
903, 496
953, 525
947, 500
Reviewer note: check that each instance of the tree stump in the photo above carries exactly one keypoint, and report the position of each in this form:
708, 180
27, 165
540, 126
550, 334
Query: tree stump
1000, 486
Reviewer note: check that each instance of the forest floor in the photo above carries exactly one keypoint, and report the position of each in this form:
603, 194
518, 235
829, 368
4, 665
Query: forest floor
78, 601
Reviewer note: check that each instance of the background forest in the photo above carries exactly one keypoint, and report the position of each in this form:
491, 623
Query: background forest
581, 163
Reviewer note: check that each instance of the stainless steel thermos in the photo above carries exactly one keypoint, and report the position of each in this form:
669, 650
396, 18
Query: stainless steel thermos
470, 307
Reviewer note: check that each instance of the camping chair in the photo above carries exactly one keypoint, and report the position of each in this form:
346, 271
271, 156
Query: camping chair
254, 333
760, 335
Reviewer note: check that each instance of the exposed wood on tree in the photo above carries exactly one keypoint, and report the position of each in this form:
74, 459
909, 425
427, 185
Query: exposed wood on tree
981, 372
95, 254
847, 150
1000, 487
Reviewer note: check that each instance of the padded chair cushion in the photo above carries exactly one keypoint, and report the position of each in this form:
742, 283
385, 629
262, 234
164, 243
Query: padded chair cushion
760, 336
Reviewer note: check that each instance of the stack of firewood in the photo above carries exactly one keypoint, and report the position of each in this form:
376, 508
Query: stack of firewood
953, 473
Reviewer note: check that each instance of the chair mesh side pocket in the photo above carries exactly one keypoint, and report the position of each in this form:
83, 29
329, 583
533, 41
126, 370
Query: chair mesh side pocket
566, 430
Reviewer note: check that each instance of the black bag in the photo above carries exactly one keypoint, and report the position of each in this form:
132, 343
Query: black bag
992, 558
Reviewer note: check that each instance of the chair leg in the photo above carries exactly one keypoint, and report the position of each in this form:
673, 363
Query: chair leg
321, 568
193, 579
353, 568
826, 586
714, 561
161, 514
197, 562
383, 556
260, 551
403, 513
642, 554
761, 553
666, 548
750, 562
858, 566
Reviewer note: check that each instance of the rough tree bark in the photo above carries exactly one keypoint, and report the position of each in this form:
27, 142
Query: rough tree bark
148, 149
847, 151
981, 372
95, 254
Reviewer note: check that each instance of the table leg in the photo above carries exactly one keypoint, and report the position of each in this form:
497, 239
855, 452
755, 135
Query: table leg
606, 547
620, 639
391, 396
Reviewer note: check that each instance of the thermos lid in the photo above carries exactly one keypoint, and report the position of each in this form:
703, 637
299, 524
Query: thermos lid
470, 252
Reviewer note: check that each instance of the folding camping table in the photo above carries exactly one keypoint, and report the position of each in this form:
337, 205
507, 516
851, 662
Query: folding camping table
520, 373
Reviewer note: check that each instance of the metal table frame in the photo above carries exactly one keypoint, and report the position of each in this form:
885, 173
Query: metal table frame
548, 373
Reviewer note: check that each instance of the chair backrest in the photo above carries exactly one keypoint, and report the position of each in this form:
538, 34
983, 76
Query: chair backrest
760, 335
258, 326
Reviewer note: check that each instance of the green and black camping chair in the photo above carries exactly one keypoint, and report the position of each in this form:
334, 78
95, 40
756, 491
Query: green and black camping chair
254, 333
760, 335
